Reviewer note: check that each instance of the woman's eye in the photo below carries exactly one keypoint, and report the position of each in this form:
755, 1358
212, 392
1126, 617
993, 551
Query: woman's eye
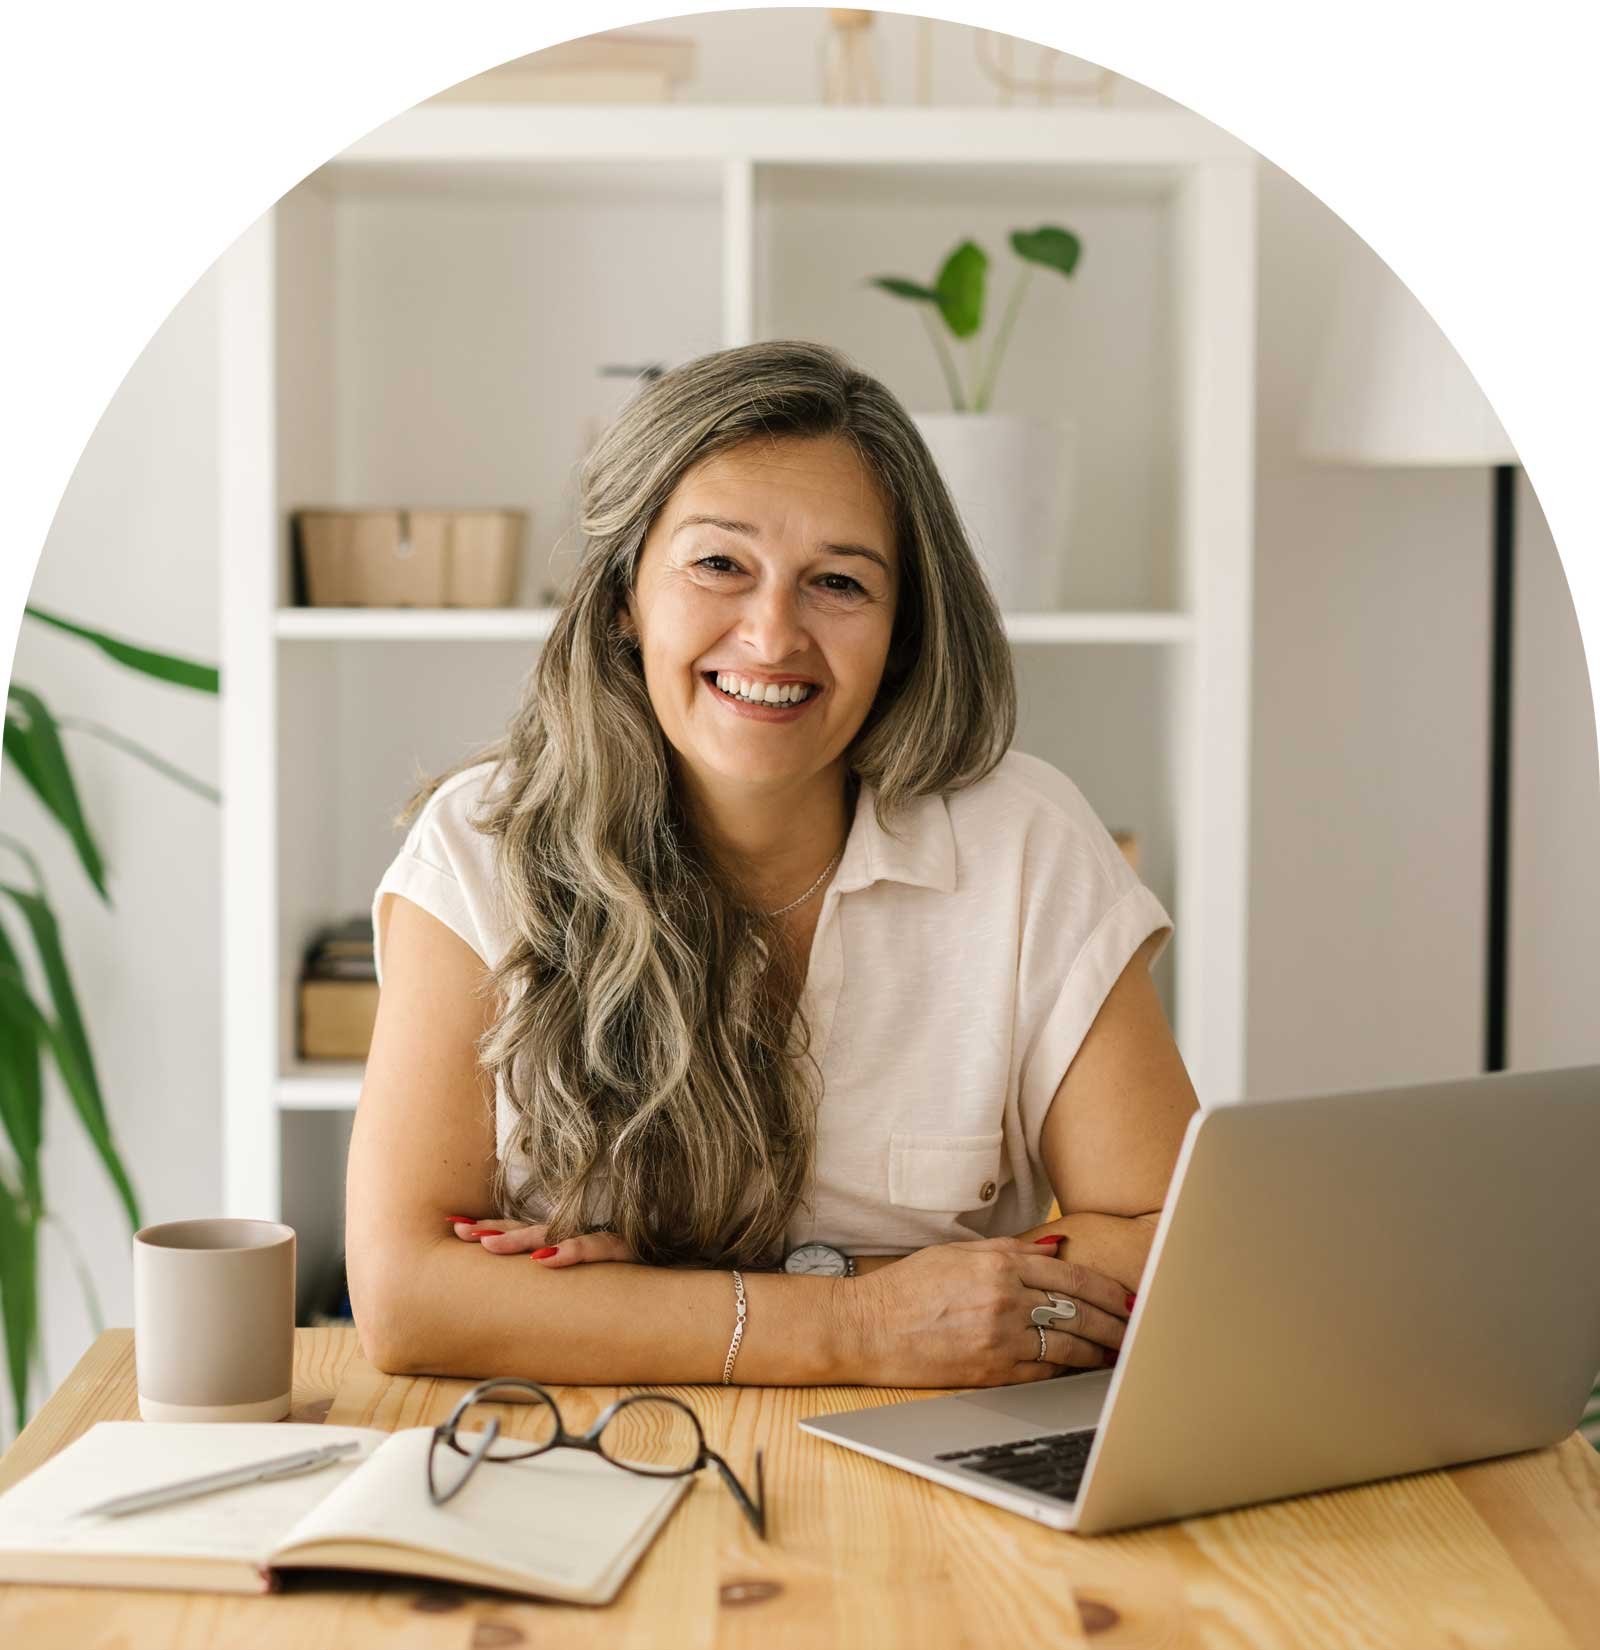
846, 586
705, 561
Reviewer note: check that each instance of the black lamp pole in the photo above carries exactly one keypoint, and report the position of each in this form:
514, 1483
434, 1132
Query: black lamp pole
1505, 497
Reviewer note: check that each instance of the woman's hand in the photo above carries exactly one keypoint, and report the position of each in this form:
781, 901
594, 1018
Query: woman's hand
509, 1237
959, 1314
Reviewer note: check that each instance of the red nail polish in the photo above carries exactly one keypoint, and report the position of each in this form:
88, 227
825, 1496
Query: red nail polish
1129, 1302
544, 1254
485, 1231
1054, 1237
462, 1220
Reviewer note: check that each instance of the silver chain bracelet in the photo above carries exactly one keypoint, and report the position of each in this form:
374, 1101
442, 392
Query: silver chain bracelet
738, 1331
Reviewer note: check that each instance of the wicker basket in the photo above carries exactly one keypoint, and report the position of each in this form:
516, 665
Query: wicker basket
409, 558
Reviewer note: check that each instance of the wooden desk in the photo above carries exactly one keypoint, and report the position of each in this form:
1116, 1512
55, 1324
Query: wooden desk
1504, 1554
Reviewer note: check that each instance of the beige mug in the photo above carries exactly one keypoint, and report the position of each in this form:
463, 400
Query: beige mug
213, 1319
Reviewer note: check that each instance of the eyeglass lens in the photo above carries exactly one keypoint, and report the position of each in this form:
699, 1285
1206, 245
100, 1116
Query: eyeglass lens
528, 1422
652, 1435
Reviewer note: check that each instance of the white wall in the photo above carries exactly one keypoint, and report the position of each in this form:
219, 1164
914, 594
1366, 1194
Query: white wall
1370, 750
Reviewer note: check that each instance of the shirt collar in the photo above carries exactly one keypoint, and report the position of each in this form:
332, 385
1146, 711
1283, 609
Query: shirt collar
921, 850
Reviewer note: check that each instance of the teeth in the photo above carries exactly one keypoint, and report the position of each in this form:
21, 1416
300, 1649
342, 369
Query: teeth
761, 693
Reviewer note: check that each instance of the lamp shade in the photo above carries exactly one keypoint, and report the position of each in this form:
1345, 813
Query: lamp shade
1388, 388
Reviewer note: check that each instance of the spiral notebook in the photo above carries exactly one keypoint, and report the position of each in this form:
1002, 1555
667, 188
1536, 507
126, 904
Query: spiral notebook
565, 1525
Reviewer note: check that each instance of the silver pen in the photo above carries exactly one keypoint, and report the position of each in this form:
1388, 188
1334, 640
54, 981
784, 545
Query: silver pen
280, 1466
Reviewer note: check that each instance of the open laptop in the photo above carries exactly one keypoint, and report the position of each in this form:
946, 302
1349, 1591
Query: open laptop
1341, 1288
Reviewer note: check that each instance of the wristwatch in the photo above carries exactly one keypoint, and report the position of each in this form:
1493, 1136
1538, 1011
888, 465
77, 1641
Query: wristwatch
819, 1260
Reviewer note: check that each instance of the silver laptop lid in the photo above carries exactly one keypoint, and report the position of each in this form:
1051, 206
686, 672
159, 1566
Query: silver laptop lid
1350, 1286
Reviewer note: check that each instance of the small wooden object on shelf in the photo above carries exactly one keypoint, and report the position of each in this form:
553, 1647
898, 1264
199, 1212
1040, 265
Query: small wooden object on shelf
339, 993
409, 558
614, 67
336, 1018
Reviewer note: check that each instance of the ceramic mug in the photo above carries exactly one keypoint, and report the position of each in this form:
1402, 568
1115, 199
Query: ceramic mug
213, 1319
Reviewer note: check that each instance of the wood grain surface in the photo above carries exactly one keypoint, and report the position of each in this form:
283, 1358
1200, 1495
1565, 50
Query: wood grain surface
1503, 1555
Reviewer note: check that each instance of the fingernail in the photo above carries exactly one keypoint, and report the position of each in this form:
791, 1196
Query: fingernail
462, 1220
485, 1231
1055, 1237
545, 1254
1129, 1302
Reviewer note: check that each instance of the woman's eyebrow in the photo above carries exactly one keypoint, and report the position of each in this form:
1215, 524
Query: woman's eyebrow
750, 531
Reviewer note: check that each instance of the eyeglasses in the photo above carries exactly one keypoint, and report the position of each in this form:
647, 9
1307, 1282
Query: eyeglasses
647, 1433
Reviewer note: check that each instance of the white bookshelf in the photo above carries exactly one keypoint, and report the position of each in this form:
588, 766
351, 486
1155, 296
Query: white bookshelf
421, 321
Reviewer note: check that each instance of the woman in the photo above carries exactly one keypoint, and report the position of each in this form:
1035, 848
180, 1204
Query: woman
752, 981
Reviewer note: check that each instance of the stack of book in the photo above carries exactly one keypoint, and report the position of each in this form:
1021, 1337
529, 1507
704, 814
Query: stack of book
339, 992
599, 68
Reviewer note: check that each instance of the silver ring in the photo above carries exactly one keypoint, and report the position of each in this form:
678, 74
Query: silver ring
1044, 1346
1057, 1312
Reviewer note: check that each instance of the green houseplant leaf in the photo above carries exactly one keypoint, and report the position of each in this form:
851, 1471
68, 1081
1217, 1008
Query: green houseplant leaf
19, 1291
1053, 247
68, 1041
33, 745
21, 1077
960, 287
902, 288
165, 667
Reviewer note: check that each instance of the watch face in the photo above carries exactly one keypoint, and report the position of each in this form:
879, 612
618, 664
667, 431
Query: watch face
817, 1260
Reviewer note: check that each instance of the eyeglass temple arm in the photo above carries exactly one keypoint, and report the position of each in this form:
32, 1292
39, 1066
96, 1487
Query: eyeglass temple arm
755, 1510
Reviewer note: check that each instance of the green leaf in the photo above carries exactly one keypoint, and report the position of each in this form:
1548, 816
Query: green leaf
80, 1083
903, 288
19, 1291
1054, 248
960, 288
21, 1075
33, 743
165, 667
47, 940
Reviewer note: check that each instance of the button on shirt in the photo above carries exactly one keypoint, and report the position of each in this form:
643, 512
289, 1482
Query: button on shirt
959, 960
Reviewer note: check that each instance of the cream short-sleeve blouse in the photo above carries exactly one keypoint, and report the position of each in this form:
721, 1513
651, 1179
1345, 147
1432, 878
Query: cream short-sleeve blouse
956, 967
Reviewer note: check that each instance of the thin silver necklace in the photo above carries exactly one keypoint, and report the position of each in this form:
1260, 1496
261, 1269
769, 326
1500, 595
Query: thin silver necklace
811, 890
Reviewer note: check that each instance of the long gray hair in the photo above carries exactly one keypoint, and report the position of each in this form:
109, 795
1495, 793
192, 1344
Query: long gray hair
660, 1091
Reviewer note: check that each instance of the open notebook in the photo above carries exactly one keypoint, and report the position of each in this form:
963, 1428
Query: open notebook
566, 1525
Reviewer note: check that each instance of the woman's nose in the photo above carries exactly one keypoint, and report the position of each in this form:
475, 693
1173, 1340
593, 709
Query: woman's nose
770, 624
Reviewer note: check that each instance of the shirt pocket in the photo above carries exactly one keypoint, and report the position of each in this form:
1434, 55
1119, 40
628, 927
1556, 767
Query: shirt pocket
944, 1171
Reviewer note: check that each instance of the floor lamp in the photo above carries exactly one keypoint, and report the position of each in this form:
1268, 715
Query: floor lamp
1389, 390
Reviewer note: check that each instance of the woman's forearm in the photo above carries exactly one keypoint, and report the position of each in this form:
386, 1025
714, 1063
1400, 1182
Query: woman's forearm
455, 1309
1117, 1245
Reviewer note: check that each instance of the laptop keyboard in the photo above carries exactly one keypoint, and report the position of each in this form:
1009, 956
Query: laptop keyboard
1050, 1465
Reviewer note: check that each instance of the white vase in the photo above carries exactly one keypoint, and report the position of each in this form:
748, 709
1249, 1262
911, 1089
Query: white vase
1011, 476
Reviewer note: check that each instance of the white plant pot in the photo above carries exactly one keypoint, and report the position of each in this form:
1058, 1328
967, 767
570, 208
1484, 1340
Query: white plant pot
1011, 476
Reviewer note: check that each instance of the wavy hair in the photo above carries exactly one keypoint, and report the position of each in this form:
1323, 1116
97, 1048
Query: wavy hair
659, 1090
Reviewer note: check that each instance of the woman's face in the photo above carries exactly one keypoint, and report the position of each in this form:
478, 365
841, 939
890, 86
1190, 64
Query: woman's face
790, 585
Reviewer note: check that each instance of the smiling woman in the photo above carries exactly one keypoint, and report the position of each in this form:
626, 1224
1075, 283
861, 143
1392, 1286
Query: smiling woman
752, 945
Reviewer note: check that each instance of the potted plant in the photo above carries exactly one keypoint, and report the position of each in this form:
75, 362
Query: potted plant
36, 1024
1009, 473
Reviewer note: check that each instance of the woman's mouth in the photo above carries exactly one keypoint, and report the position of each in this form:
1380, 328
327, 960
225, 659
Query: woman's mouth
766, 702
